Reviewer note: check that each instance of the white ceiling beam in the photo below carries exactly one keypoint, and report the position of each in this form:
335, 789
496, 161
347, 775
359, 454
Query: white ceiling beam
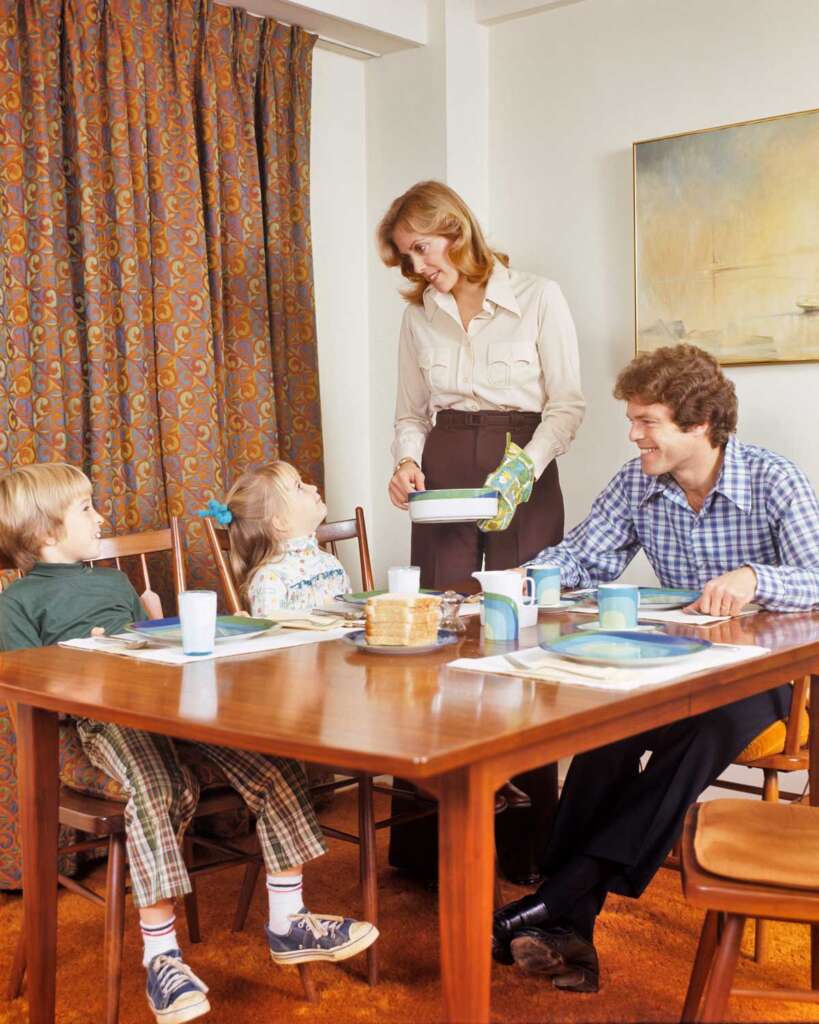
492, 12
368, 28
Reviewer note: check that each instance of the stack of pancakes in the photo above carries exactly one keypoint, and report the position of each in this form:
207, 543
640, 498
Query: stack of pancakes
402, 620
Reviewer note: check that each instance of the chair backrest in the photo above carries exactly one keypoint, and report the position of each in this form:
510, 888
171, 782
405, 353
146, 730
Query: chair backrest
129, 545
138, 545
328, 535
795, 729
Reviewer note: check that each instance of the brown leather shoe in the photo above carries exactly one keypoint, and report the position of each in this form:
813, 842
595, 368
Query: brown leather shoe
559, 953
514, 797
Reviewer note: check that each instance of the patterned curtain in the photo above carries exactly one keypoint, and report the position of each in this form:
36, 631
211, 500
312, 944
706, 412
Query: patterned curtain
157, 322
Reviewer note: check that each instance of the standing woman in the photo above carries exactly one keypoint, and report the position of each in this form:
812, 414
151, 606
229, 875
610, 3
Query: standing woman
484, 351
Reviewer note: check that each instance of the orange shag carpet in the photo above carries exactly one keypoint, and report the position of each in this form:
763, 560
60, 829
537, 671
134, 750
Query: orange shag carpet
646, 950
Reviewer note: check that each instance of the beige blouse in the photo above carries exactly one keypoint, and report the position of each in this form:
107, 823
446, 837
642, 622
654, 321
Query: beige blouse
519, 354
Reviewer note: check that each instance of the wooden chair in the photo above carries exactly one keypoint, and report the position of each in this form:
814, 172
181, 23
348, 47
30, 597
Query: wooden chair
728, 901
328, 535
782, 747
103, 819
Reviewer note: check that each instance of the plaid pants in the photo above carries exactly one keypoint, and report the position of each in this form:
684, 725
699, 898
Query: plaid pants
163, 793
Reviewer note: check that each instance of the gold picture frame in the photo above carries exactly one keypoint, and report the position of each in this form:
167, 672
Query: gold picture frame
726, 240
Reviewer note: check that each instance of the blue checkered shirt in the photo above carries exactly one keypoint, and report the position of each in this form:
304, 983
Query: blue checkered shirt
761, 512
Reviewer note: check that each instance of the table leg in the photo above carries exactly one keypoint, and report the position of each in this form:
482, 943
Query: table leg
38, 784
813, 782
466, 857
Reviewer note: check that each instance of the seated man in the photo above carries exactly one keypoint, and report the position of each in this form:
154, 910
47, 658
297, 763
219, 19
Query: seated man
735, 521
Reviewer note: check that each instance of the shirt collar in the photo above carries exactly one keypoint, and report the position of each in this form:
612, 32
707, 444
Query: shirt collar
306, 543
498, 293
732, 483
59, 569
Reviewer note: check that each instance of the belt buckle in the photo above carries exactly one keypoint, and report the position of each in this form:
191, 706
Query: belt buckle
473, 419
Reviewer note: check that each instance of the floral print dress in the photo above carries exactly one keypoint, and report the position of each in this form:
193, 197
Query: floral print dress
303, 577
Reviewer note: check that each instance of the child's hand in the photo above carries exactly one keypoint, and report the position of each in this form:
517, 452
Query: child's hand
97, 631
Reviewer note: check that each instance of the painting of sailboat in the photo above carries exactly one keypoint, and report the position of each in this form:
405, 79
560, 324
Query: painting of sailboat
726, 240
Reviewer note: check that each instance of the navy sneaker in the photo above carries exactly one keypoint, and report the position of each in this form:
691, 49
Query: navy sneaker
320, 937
174, 992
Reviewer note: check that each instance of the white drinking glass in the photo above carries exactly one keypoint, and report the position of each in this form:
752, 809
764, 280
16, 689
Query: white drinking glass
197, 615
404, 579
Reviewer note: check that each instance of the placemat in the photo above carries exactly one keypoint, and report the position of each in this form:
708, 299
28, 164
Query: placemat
174, 655
674, 615
535, 663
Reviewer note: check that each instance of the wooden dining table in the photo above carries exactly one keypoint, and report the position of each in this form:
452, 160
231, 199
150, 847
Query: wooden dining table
460, 734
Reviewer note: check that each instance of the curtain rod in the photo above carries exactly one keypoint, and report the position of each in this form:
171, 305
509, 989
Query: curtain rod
330, 43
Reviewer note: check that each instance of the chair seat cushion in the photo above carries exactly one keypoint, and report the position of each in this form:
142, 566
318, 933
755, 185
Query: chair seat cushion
77, 772
755, 841
772, 741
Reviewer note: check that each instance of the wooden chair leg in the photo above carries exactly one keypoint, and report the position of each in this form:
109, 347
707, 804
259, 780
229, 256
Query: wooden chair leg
14, 982
307, 983
191, 902
114, 926
702, 965
762, 932
724, 964
246, 894
368, 867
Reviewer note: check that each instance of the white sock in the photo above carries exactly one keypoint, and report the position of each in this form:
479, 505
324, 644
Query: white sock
158, 938
285, 898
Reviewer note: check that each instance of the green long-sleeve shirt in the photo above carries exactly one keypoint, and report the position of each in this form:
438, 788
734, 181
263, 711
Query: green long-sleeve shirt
63, 602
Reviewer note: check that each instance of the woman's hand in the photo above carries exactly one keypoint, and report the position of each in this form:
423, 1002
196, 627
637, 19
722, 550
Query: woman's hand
405, 479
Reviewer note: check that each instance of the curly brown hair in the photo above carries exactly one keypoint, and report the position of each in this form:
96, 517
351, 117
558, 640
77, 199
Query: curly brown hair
687, 380
432, 208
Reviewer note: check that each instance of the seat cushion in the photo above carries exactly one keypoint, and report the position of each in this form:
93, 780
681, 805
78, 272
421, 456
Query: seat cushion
77, 772
771, 741
755, 841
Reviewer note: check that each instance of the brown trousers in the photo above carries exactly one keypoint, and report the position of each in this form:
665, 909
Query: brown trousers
460, 451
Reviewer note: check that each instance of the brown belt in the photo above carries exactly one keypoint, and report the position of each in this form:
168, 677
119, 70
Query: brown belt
489, 418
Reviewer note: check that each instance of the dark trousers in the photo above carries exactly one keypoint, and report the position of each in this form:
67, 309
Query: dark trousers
460, 451
611, 809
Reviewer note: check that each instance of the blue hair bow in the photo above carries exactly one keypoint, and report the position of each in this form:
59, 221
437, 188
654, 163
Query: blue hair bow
216, 510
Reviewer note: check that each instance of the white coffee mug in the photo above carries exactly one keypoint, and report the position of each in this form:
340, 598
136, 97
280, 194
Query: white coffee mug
404, 579
197, 616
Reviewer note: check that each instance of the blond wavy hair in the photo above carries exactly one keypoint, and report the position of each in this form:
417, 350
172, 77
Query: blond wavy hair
432, 208
33, 503
254, 500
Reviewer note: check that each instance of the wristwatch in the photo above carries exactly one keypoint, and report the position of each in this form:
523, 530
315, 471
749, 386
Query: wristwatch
402, 462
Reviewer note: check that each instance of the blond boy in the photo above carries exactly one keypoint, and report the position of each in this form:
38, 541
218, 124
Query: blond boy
49, 528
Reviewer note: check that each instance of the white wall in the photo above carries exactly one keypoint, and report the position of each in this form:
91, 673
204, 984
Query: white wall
570, 90
340, 255
406, 142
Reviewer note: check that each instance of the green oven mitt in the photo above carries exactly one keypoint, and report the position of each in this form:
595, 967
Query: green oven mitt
513, 480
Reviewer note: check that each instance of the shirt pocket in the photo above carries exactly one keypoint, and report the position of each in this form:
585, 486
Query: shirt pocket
435, 365
509, 365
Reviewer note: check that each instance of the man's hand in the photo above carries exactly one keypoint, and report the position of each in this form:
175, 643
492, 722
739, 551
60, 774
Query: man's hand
727, 594
405, 479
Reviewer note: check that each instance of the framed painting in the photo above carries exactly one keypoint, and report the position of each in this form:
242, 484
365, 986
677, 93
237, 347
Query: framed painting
726, 240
